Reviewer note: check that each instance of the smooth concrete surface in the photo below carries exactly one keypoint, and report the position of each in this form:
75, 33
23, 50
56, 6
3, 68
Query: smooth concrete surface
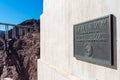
57, 61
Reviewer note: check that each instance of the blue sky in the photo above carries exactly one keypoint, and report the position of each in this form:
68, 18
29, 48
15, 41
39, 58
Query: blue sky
16, 11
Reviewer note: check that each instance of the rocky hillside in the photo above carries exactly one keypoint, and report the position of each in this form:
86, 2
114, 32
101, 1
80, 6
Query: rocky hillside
21, 62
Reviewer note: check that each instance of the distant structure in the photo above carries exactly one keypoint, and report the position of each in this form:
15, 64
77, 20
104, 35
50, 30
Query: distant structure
15, 33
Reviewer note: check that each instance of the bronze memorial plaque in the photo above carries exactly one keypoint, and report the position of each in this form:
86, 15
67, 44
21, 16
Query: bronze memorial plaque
94, 41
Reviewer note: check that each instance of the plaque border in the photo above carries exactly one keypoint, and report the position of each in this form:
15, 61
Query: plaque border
112, 36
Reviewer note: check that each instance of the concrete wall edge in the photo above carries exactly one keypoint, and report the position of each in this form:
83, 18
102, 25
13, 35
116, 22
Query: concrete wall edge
60, 71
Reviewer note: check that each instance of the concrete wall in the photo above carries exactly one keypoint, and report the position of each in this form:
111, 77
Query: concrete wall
57, 61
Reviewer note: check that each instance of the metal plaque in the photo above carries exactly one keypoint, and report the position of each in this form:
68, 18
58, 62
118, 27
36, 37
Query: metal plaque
94, 41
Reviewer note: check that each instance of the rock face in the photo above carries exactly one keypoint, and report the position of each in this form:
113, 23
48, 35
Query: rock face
28, 48
21, 62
